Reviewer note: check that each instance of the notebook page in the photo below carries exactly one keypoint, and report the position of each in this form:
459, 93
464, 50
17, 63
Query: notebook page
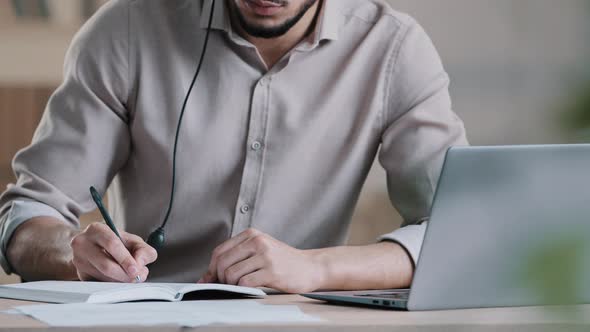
184, 288
60, 291
108, 292
142, 292
79, 287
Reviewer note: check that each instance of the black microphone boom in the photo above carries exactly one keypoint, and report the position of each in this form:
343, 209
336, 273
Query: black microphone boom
157, 238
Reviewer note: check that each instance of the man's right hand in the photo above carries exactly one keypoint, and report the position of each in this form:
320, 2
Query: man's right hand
98, 254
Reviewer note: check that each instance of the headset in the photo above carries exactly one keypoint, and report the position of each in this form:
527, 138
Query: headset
157, 238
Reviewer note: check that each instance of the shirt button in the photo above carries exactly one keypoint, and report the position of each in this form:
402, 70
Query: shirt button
264, 81
245, 209
256, 146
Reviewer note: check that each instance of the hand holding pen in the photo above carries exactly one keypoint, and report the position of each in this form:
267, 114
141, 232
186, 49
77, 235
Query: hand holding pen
102, 253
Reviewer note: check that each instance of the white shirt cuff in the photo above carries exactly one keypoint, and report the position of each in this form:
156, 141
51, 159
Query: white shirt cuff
410, 237
19, 213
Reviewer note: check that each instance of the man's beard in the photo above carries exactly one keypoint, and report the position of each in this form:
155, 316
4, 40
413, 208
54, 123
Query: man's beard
276, 31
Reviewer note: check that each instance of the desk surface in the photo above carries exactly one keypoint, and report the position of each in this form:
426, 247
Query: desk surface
343, 319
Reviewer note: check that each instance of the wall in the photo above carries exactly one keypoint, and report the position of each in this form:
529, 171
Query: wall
511, 63
20, 111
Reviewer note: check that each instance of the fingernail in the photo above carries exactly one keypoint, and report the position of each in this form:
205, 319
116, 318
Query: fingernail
133, 270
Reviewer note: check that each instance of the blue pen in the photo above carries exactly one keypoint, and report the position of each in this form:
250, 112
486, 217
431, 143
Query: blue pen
107, 218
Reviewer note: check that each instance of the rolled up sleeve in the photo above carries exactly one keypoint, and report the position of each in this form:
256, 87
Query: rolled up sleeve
409, 237
419, 127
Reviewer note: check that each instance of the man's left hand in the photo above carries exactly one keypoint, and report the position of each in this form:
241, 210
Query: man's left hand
255, 259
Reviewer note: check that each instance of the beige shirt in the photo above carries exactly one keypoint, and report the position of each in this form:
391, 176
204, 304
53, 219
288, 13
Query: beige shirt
284, 150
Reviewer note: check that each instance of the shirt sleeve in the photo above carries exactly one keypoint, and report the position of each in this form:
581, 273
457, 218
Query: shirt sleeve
82, 139
419, 127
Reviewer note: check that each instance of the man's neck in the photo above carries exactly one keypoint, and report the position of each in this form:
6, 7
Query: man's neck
272, 50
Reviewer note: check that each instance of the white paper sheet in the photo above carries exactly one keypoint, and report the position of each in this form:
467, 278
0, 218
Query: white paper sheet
88, 287
187, 313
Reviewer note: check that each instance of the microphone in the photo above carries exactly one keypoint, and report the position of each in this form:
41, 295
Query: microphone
157, 238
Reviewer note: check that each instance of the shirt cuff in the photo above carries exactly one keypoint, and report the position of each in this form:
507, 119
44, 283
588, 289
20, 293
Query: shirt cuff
19, 213
410, 238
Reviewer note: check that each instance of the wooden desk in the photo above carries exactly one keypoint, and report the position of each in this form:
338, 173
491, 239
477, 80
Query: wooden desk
343, 319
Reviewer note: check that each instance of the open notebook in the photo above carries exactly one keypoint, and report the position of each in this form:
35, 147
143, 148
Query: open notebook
108, 292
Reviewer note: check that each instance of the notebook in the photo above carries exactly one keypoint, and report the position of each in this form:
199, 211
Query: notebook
108, 292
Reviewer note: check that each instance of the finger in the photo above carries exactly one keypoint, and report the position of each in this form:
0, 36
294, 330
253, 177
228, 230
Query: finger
91, 273
87, 272
207, 278
85, 252
107, 240
227, 245
245, 235
108, 267
260, 278
234, 273
144, 255
233, 256
144, 272
91, 260
142, 252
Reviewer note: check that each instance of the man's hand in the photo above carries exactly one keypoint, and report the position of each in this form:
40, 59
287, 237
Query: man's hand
255, 259
98, 254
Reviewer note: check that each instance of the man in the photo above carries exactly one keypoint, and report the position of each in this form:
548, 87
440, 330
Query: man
294, 101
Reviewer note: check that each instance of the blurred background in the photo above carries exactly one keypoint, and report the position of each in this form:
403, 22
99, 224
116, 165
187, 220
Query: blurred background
520, 73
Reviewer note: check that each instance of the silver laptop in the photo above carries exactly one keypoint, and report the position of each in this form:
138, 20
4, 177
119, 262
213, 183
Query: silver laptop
510, 226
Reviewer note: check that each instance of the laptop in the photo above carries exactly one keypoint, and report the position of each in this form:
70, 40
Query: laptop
509, 226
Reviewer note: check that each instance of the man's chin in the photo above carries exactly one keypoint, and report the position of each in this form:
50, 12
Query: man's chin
271, 24
265, 27
267, 32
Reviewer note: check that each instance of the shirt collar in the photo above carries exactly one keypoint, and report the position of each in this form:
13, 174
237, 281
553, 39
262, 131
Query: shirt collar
330, 20
328, 27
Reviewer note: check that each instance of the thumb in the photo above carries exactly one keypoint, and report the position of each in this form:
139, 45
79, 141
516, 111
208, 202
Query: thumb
142, 252
145, 255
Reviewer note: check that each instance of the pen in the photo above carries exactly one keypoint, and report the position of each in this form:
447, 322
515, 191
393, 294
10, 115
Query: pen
107, 218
